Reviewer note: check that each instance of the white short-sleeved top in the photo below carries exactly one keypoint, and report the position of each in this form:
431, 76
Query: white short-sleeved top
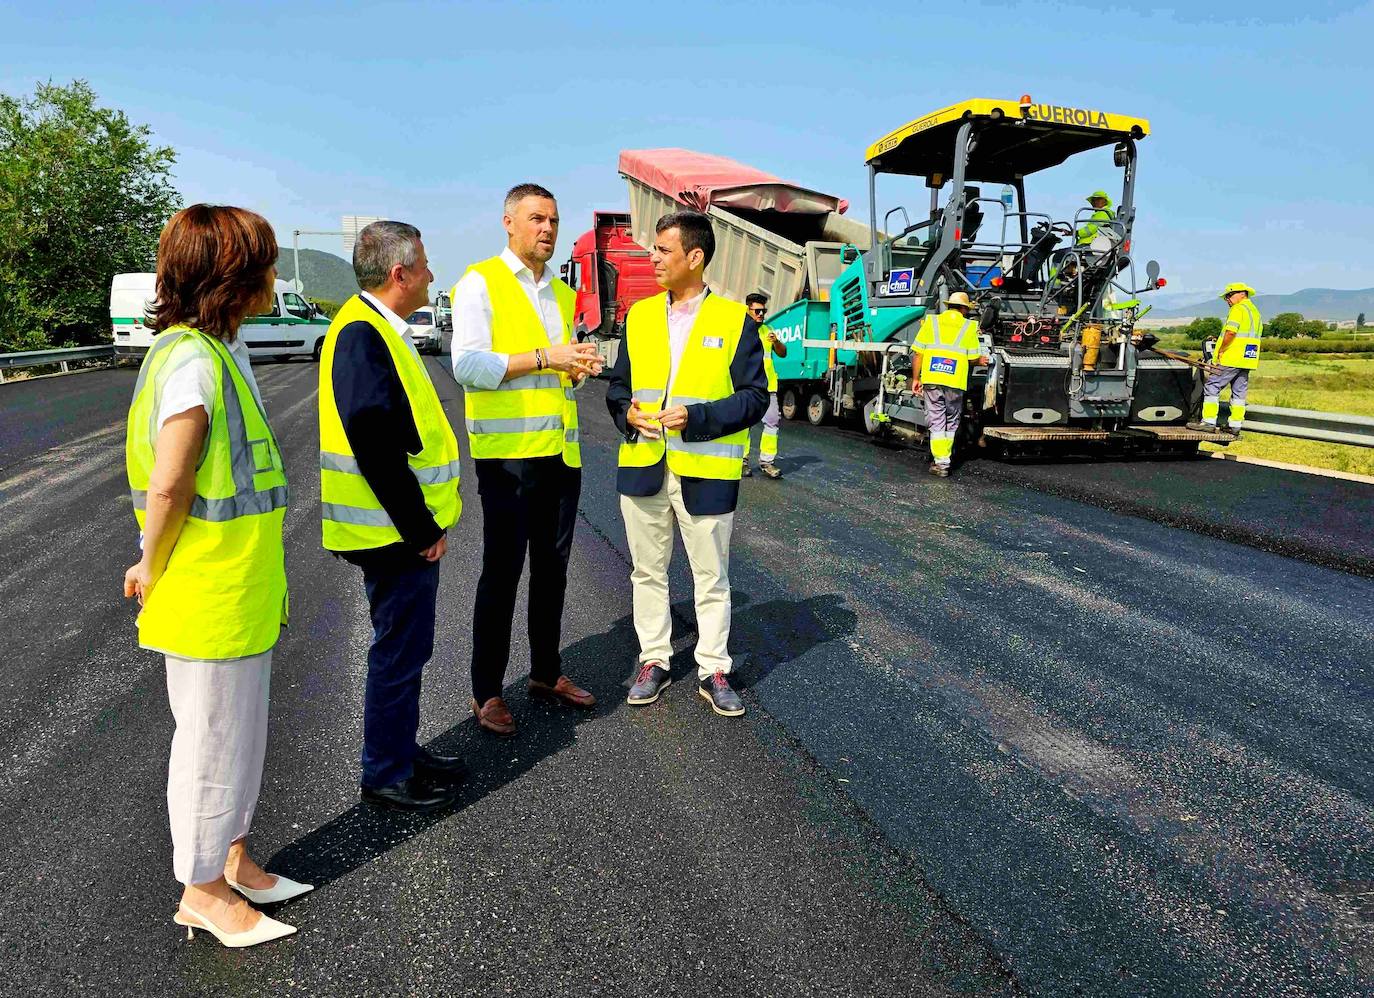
193, 384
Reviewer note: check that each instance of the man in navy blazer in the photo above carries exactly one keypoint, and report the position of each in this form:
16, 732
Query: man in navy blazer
695, 481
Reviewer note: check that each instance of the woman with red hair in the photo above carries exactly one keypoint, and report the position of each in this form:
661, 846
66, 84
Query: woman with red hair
209, 494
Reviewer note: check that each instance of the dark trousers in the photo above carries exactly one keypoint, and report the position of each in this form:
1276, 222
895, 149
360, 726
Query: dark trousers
528, 505
402, 599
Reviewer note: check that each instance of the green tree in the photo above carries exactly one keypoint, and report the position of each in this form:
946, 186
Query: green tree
1359, 321
84, 194
1201, 329
1286, 326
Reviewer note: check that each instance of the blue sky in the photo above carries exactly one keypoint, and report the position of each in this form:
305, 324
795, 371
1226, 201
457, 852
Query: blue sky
1259, 168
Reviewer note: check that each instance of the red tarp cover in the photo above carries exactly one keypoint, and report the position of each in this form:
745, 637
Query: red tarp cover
699, 180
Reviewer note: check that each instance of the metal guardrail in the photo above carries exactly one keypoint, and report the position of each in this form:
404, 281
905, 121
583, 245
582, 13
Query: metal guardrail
43, 358
1308, 424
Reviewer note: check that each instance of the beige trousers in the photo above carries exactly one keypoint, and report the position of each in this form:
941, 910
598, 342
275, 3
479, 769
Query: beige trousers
215, 772
649, 529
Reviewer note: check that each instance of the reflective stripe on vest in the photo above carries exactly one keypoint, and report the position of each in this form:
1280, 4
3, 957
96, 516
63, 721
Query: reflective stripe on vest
534, 415
947, 343
1247, 327
353, 517
703, 375
223, 592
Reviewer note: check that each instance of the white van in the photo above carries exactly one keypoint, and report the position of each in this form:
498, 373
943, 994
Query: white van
294, 327
424, 330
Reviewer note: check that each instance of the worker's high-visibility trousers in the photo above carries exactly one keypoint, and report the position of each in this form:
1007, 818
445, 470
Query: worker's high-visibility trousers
944, 406
768, 443
1239, 380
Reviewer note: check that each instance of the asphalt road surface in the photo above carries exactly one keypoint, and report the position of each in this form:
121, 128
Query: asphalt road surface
1085, 728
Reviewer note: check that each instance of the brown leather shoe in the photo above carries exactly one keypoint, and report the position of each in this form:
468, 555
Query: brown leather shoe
564, 691
495, 716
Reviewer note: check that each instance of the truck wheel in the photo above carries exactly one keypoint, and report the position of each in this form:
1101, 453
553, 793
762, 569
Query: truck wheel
817, 409
319, 345
790, 403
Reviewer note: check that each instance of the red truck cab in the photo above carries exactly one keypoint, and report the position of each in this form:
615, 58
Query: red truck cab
610, 272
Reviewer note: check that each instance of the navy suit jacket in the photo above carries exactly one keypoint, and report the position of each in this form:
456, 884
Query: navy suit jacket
380, 427
705, 421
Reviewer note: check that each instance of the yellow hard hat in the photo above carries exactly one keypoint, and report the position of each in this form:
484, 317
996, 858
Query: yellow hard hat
1100, 194
1237, 286
959, 298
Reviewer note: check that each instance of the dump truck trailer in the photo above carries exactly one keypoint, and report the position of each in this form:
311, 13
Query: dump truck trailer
772, 236
1055, 300
610, 272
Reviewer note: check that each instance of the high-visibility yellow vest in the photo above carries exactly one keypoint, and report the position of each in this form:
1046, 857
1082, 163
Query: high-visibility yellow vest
703, 375
223, 594
1088, 230
947, 342
534, 415
768, 368
353, 517
1244, 349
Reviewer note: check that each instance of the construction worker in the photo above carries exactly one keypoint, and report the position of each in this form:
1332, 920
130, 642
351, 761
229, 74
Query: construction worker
945, 346
514, 356
687, 385
1064, 274
1102, 212
757, 305
1234, 358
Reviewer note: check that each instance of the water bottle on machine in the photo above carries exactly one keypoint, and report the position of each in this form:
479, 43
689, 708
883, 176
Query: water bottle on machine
1008, 198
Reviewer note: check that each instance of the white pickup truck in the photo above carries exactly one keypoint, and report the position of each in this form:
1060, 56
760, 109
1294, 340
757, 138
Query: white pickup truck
294, 327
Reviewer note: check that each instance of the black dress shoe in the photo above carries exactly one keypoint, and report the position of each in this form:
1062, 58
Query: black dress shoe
439, 768
413, 795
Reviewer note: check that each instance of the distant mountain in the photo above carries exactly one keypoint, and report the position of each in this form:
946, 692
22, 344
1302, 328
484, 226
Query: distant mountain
1163, 301
325, 275
1312, 303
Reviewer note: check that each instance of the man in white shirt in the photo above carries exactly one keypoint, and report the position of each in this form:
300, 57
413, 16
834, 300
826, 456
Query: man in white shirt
514, 356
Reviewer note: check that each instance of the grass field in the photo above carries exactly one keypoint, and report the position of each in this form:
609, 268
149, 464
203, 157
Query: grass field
1313, 381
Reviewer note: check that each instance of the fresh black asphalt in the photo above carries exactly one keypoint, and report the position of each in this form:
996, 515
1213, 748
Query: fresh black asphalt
1098, 728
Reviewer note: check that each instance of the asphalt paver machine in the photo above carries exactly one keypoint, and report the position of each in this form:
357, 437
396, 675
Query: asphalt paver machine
1057, 299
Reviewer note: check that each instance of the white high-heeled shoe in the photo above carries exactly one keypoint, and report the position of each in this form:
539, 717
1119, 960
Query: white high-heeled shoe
265, 931
283, 890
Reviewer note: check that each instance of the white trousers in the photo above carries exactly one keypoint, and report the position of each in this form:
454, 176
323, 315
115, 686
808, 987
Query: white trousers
215, 771
649, 530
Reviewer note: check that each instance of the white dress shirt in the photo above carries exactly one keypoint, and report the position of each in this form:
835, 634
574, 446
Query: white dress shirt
397, 323
475, 363
681, 319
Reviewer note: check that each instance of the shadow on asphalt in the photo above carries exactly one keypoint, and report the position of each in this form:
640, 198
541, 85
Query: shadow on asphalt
777, 632
364, 833
764, 636
767, 635
790, 464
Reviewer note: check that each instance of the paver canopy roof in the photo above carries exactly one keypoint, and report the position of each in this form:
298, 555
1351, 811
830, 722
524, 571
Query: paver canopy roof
699, 180
1009, 145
